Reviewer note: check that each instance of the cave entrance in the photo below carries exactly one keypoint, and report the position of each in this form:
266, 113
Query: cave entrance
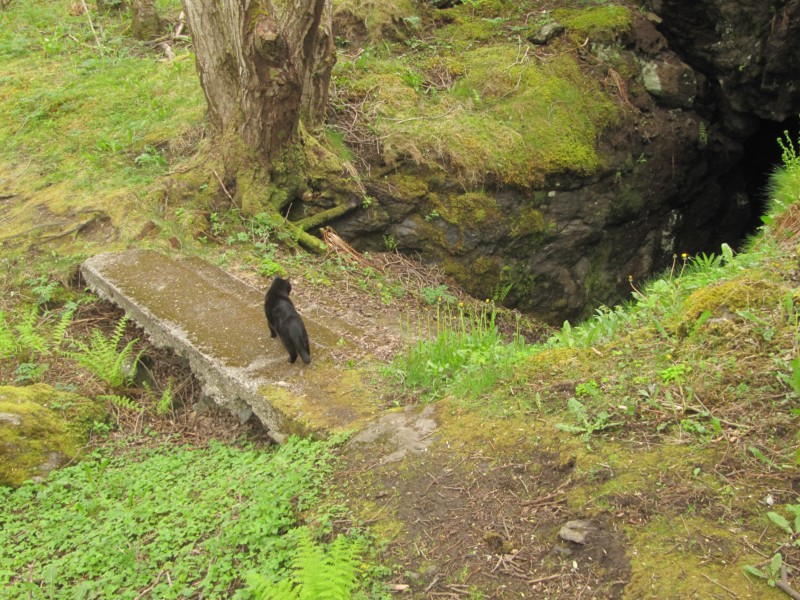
762, 155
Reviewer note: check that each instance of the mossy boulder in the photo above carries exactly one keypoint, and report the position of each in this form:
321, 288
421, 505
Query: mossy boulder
731, 296
42, 428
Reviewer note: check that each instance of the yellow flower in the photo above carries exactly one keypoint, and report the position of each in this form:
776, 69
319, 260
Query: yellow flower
460, 305
668, 357
630, 277
684, 256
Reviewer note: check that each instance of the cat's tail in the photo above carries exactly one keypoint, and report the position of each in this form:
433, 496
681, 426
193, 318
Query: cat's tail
302, 345
305, 354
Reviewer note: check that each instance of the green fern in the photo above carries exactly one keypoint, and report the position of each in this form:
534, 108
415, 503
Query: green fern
101, 357
60, 330
165, 403
317, 573
29, 339
122, 402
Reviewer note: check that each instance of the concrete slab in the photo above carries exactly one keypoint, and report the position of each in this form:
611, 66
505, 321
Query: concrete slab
217, 322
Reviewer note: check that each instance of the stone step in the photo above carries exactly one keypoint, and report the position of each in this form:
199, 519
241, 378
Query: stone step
217, 323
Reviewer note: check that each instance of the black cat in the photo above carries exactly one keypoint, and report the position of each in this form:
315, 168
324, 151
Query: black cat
284, 321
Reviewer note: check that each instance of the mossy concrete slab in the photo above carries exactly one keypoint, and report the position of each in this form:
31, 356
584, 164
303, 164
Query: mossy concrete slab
217, 322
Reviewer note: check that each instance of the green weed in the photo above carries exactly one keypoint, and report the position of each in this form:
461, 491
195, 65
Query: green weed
467, 355
584, 424
773, 570
83, 142
169, 522
32, 336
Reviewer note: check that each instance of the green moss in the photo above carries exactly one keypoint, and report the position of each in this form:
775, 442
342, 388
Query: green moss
529, 222
600, 24
374, 19
468, 209
480, 278
672, 558
747, 292
41, 425
347, 404
627, 202
507, 120
405, 186
468, 430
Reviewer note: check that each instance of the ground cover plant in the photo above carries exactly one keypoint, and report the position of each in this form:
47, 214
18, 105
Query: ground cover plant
444, 104
175, 522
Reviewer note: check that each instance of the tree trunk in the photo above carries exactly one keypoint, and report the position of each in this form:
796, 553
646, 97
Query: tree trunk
145, 22
265, 67
263, 64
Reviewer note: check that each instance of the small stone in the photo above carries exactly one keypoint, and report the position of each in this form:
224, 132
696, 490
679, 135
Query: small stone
546, 33
11, 418
577, 531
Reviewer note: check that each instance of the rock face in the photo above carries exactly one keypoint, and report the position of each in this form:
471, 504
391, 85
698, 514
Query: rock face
748, 49
700, 78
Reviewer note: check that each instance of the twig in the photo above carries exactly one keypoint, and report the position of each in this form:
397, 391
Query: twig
75, 229
432, 583
543, 579
91, 25
715, 582
224, 189
150, 587
424, 118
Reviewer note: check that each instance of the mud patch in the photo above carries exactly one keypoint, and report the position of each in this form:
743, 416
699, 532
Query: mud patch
475, 524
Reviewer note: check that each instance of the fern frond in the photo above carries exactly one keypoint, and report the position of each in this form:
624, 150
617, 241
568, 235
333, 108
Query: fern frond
101, 357
165, 404
119, 331
325, 575
29, 340
60, 330
122, 402
317, 573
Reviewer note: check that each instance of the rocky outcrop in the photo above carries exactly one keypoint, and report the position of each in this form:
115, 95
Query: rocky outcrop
749, 50
700, 78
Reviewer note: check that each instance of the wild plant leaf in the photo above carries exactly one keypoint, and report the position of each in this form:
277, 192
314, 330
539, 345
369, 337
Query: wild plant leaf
755, 571
570, 428
775, 564
577, 409
780, 521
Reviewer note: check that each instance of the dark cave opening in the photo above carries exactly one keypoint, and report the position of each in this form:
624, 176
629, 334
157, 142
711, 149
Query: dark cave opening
762, 156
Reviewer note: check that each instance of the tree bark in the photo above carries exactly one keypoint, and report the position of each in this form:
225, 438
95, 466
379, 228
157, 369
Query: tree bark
263, 65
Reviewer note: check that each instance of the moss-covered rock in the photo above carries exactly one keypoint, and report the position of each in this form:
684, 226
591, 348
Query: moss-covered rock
730, 296
41, 428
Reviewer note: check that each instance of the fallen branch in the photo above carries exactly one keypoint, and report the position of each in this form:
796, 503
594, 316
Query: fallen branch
783, 585
325, 216
91, 25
